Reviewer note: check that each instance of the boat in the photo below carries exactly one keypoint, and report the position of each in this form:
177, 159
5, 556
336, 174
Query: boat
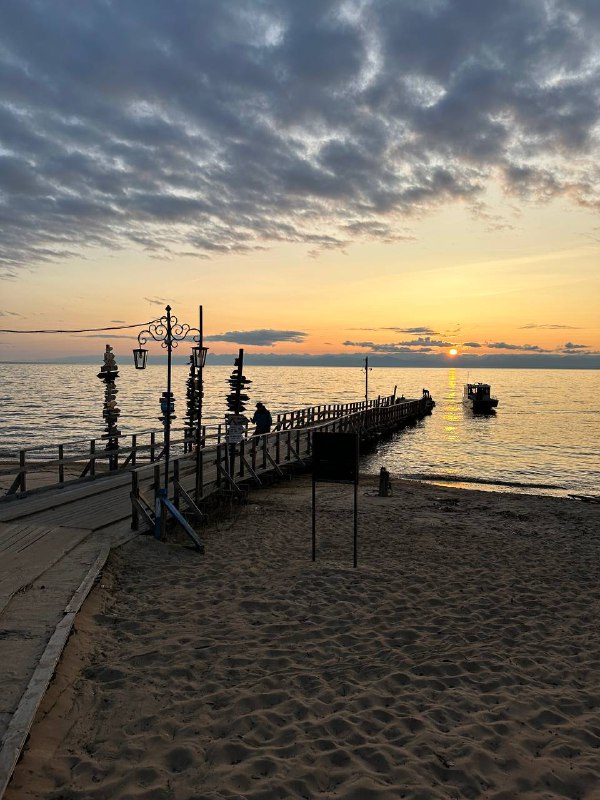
478, 398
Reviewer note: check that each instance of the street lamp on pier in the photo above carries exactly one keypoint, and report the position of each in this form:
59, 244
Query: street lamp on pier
169, 332
367, 369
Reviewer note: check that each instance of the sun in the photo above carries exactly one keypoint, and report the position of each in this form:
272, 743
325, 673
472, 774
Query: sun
453, 351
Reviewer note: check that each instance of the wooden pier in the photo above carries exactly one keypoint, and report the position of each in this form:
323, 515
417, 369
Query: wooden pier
196, 476
99, 500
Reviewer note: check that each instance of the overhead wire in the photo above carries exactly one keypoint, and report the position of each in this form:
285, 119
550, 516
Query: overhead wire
81, 330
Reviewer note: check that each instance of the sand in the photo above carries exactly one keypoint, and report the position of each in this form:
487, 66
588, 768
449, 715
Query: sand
460, 660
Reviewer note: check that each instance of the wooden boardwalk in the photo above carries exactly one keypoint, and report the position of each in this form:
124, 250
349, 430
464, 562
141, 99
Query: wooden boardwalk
54, 543
194, 477
46, 571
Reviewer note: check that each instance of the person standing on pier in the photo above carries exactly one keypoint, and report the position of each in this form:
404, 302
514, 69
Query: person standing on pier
262, 418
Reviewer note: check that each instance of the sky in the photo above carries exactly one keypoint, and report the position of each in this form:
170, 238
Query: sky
329, 179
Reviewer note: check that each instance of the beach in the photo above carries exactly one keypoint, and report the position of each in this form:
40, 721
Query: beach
460, 659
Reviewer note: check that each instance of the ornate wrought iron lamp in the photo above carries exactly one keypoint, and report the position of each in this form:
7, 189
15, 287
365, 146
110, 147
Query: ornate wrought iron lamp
169, 332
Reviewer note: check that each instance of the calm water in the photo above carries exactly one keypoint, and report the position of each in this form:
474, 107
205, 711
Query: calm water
543, 438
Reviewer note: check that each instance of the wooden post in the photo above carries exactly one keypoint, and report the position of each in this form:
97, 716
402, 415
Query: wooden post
219, 460
202, 460
152, 446
92, 458
133, 449
156, 481
23, 473
61, 466
175, 483
135, 494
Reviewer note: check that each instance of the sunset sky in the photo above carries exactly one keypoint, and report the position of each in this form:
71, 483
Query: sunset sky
390, 178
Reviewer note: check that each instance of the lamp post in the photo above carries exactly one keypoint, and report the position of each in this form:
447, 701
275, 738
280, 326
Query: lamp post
367, 369
169, 332
199, 360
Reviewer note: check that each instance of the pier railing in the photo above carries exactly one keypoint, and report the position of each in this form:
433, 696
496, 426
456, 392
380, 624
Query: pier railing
45, 466
225, 466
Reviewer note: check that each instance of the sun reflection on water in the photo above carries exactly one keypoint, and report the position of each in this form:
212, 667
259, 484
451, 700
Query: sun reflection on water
451, 409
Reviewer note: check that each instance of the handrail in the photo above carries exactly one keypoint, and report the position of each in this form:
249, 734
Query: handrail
406, 408
125, 455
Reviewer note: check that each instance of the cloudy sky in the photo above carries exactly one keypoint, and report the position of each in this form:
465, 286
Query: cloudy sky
392, 177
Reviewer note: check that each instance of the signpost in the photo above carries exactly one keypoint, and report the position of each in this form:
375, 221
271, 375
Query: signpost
236, 421
335, 460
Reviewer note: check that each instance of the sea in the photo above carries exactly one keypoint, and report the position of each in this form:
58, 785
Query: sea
543, 439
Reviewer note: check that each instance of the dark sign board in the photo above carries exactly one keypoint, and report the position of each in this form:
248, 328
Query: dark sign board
335, 457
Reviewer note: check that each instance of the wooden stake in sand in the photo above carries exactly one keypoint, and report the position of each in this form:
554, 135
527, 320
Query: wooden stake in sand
334, 460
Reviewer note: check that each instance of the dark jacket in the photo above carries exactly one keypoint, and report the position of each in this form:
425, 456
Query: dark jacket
263, 420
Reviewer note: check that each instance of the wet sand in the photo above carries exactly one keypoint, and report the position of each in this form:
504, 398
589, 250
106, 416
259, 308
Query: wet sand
460, 660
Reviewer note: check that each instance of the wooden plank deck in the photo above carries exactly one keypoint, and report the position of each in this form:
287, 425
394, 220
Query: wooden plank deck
34, 627
60, 496
27, 551
46, 571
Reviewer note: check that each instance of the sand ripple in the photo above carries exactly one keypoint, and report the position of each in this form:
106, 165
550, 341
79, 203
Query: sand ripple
460, 660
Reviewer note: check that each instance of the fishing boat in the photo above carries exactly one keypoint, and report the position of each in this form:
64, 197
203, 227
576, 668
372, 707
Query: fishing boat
478, 398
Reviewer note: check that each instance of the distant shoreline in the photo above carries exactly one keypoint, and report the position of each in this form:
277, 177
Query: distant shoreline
351, 363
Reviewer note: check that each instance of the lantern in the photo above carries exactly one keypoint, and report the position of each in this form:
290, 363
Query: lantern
140, 357
199, 356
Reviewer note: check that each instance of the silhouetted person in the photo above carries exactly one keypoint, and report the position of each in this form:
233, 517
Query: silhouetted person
263, 419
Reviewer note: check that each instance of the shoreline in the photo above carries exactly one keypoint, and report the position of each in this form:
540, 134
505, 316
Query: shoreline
458, 660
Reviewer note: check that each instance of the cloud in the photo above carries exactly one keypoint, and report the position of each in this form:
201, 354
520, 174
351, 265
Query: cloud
260, 338
157, 301
471, 344
424, 344
227, 126
525, 348
570, 347
421, 329
550, 327
427, 341
4, 313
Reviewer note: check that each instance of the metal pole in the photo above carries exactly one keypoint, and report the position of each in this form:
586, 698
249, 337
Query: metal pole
314, 523
356, 523
238, 388
366, 379
199, 462
168, 405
